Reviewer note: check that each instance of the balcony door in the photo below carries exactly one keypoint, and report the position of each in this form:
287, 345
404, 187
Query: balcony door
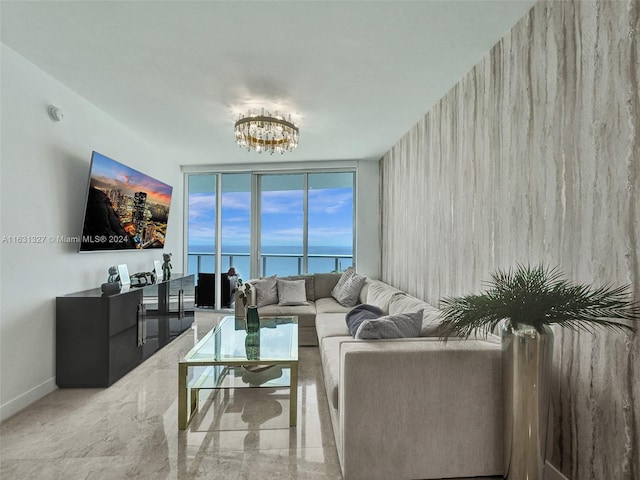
219, 231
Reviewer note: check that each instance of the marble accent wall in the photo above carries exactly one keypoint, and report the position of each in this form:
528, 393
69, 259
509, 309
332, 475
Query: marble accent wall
534, 156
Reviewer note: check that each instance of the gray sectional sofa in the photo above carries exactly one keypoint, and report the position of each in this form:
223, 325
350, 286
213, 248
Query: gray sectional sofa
406, 408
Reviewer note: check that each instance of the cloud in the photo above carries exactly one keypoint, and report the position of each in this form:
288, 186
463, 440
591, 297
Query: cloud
281, 202
331, 201
237, 201
201, 206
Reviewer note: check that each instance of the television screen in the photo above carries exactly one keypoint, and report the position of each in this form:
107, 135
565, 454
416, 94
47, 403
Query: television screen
125, 209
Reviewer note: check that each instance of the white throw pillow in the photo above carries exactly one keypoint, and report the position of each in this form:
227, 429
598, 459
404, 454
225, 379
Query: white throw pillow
266, 291
292, 292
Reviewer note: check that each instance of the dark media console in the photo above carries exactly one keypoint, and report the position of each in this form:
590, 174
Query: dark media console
99, 338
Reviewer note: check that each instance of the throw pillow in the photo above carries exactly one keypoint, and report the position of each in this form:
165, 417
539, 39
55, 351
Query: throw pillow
266, 291
359, 314
346, 275
349, 294
401, 325
292, 292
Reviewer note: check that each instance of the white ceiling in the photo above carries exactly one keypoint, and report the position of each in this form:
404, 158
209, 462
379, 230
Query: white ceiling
356, 75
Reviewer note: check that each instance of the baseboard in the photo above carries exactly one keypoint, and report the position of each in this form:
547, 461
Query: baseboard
22, 401
552, 473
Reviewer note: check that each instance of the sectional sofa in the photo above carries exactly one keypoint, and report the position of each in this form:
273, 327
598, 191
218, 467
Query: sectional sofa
405, 408
319, 301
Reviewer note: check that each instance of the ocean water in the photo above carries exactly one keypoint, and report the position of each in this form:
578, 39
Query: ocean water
277, 259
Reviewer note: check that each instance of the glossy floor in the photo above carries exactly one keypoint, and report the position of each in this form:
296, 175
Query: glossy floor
130, 430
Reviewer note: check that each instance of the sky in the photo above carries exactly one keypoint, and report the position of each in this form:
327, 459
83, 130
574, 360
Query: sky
330, 218
128, 180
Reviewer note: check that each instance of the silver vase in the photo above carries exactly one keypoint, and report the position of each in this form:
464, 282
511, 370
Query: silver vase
527, 356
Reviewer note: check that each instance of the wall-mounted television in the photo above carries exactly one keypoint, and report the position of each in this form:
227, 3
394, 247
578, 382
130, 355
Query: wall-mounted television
125, 209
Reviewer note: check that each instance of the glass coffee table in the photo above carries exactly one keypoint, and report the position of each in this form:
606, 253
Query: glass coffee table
229, 357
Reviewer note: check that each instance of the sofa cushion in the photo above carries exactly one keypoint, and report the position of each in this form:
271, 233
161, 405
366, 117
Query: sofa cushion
330, 305
403, 303
359, 314
266, 290
291, 292
348, 293
331, 325
306, 313
324, 283
380, 294
401, 325
364, 291
431, 320
309, 284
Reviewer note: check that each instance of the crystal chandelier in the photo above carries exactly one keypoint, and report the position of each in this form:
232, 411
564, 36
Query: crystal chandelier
266, 132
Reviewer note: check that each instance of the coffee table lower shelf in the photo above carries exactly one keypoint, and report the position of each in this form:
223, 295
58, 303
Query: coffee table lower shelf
207, 374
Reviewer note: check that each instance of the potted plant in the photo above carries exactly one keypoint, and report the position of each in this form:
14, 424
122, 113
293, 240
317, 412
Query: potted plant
525, 302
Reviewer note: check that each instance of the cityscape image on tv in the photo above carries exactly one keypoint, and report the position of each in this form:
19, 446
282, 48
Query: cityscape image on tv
126, 209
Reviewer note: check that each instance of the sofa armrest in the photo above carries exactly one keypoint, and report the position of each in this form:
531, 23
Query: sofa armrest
420, 408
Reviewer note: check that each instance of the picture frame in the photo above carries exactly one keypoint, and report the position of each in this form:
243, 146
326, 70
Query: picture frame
157, 266
123, 272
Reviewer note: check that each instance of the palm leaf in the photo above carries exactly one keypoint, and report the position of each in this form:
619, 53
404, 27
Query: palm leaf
538, 296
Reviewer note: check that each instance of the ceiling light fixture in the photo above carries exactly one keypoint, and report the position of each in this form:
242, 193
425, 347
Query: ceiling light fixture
265, 132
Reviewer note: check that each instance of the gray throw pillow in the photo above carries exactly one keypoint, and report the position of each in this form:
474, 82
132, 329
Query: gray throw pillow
346, 275
359, 314
292, 292
349, 294
402, 325
266, 291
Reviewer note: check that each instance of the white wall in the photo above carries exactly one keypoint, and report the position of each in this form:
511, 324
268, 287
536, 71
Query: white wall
43, 177
368, 219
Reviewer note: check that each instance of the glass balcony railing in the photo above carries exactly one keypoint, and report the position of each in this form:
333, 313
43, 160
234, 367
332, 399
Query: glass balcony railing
282, 264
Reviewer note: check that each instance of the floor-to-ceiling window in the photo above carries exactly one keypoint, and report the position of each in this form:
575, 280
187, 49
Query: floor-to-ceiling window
270, 223
235, 207
330, 221
282, 224
201, 223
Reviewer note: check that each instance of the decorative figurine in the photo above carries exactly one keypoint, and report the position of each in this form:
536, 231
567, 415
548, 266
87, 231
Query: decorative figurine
113, 282
113, 275
166, 267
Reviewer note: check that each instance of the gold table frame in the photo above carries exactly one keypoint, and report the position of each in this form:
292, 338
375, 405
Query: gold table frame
188, 396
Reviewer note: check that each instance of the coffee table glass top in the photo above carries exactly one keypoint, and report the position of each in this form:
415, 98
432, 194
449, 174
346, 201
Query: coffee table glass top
227, 343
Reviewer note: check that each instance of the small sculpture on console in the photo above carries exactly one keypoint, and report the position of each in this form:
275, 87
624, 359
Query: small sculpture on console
166, 266
113, 275
113, 282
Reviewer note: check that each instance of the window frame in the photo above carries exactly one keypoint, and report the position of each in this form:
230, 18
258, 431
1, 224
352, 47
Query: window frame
257, 171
